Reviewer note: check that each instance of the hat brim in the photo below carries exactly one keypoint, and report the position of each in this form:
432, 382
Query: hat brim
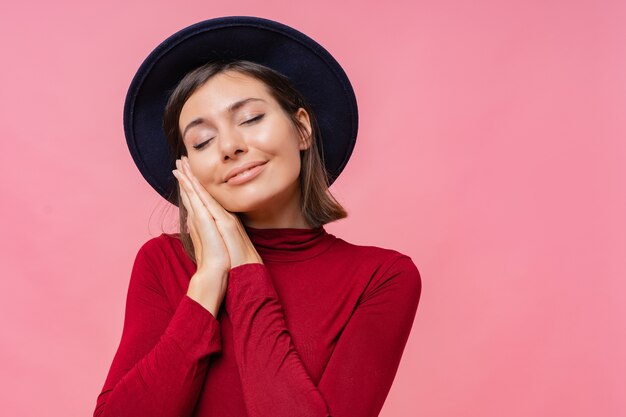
310, 67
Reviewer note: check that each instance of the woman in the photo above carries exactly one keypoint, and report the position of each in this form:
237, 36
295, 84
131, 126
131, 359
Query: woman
253, 309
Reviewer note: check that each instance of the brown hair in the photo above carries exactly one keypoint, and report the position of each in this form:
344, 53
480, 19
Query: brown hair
317, 203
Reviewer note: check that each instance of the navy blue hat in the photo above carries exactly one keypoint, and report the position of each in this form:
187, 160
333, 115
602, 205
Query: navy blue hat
310, 67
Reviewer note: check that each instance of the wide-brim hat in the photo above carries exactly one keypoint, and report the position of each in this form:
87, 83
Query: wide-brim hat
310, 67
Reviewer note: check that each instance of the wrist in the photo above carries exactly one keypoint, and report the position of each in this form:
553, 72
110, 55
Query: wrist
207, 292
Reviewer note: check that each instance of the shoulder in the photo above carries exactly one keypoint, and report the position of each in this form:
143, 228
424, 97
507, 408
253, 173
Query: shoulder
162, 260
383, 262
381, 255
386, 278
160, 248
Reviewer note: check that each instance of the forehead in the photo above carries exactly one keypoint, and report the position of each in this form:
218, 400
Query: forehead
224, 88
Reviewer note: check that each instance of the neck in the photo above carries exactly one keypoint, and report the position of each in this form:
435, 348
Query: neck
285, 244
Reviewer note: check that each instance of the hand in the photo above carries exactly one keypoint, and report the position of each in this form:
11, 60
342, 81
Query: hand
219, 238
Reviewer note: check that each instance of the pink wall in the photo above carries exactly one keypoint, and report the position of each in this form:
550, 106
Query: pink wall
491, 150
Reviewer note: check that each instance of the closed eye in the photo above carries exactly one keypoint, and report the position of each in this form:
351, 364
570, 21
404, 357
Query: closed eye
200, 146
254, 119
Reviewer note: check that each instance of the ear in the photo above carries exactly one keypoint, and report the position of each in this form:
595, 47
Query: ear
303, 117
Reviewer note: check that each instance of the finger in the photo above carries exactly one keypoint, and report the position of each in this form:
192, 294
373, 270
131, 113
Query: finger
206, 226
197, 241
240, 227
198, 205
223, 222
217, 211
182, 193
190, 223
191, 228
187, 203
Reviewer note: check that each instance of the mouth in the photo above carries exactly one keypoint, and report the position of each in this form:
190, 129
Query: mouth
246, 175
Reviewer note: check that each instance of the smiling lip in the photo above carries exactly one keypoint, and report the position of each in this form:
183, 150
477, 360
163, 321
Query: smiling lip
253, 169
242, 168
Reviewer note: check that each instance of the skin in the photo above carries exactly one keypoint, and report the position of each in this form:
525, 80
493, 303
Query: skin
271, 200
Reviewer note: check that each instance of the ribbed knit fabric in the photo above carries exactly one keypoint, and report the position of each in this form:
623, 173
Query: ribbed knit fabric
318, 330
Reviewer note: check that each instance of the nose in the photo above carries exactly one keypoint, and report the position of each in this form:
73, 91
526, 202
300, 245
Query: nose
231, 143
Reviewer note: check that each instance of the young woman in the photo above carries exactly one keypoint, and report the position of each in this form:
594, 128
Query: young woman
253, 308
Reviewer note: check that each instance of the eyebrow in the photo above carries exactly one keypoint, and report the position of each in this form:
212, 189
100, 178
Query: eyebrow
230, 109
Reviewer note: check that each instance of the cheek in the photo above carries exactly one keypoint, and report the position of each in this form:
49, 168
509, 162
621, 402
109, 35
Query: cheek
277, 136
288, 153
288, 165
205, 175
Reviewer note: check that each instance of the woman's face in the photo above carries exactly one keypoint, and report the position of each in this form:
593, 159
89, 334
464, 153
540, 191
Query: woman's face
219, 140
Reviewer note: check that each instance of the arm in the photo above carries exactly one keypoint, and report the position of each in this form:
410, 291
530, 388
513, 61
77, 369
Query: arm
363, 365
161, 362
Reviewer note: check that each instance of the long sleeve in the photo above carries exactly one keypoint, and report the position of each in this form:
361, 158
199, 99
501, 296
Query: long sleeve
362, 367
163, 356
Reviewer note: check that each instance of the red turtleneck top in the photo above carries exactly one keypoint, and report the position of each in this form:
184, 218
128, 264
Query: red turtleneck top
318, 329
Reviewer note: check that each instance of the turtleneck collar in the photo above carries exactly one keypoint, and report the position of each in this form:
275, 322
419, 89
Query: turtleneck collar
287, 244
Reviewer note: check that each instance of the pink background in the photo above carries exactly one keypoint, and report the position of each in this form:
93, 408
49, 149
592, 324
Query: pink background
491, 150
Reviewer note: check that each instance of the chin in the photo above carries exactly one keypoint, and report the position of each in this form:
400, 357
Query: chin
241, 202
254, 197
244, 207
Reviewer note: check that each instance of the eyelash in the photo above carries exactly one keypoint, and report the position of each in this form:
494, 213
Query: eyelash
254, 119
